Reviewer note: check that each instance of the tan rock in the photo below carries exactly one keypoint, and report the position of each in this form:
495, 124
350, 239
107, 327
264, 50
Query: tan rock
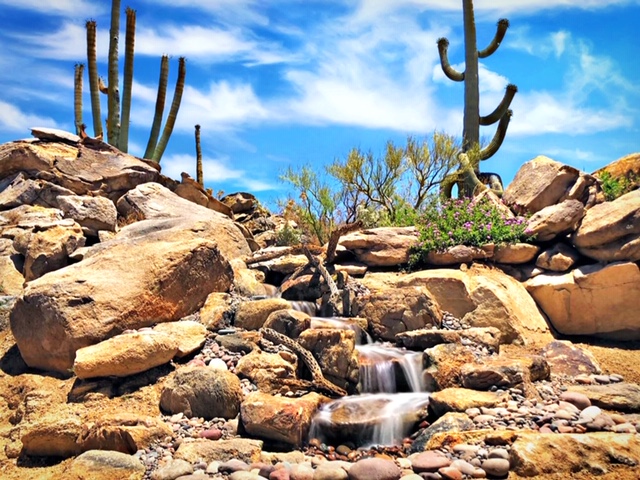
307, 287
288, 322
610, 231
381, 247
91, 213
555, 220
452, 422
125, 354
335, 350
559, 258
216, 311
591, 300
481, 297
280, 419
541, 182
52, 438
189, 335
504, 372
202, 392
443, 364
461, 399
627, 167
104, 465
240, 202
124, 432
247, 450
267, 370
399, 309
12, 279
252, 315
18, 189
247, 282
536, 454
564, 358
460, 254
428, 338
191, 190
107, 293
48, 249
621, 397
514, 254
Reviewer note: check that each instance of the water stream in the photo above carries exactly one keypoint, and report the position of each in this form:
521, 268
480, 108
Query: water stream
392, 397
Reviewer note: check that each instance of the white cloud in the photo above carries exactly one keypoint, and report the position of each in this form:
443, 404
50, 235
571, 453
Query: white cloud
69, 8
236, 11
13, 119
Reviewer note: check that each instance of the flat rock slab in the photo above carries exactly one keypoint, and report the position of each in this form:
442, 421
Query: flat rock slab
564, 358
189, 335
247, 450
125, 354
622, 397
460, 399
537, 454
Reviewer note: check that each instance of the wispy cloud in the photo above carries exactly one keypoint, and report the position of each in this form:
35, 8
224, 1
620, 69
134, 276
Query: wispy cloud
67, 8
13, 119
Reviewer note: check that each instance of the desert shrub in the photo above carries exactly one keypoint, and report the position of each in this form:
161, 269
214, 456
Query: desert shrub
288, 236
448, 222
616, 187
386, 190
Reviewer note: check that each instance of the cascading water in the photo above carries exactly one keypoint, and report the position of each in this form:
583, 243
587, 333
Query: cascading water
391, 401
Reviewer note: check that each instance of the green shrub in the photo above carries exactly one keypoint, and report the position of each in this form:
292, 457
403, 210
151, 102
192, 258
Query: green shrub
615, 187
288, 236
448, 223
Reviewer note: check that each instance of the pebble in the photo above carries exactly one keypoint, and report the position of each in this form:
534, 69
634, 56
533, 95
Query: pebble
450, 473
429, 461
496, 467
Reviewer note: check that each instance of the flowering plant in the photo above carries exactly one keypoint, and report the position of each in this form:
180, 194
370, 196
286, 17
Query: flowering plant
451, 222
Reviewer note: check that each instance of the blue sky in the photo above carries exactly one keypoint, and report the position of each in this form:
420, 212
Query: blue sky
275, 83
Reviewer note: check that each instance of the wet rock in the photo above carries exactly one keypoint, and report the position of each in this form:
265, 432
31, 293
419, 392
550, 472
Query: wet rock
202, 392
281, 419
335, 350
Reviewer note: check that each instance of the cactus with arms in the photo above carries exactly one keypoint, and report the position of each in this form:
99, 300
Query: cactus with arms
117, 132
468, 177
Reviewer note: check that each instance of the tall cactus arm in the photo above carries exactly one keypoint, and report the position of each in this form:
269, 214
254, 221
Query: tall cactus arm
77, 96
199, 174
130, 39
113, 104
500, 110
503, 24
449, 71
496, 141
160, 99
173, 111
94, 88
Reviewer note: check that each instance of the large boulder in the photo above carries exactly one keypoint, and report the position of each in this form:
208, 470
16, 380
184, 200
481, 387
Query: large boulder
77, 167
591, 300
153, 271
542, 182
480, 296
610, 231
381, 247
555, 220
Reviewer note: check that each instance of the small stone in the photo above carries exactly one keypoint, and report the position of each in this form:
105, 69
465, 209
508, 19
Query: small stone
374, 469
174, 469
233, 465
450, 473
211, 434
602, 379
580, 400
464, 467
496, 467
589, 413
430, 461
499, 453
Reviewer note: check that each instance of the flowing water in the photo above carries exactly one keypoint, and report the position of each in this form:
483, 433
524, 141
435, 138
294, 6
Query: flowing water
392, 397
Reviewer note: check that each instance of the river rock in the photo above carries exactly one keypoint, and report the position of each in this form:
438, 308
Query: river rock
202, 392
280, 419
125, 354
374, 469
610, 231
429, 461
598, 300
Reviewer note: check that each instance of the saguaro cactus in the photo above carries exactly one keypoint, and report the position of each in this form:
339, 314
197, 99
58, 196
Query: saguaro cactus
77, 96
117, 119
467, 178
